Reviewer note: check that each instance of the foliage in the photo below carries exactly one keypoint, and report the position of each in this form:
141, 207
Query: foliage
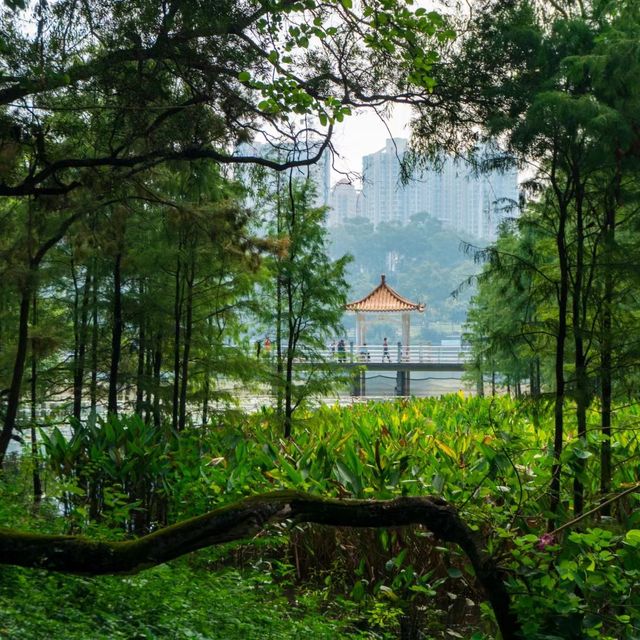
181, 82
586, 587
177, 601
471, 451
490, 457
561, 105
305, 298
116, 468
105, 114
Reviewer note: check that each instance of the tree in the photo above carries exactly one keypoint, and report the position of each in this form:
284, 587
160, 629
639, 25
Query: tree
543, 107
246, 518
514, 341
96, 95
115, 287
310, 294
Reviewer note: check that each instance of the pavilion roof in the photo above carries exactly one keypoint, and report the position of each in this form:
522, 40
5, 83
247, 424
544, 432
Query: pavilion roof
384, 299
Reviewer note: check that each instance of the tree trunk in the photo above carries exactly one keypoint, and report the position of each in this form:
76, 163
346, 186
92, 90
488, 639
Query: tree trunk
81, 348
116, 336
606, 348
76, 330
37, 483
205, 398
279, 286
288, 399
148, 372
93, 389
606, 394
141, 354
248, 517
480, 378
207, 373
177, 318
157, 368
578, 321
13, 398
188, 330
292, 338
558, 407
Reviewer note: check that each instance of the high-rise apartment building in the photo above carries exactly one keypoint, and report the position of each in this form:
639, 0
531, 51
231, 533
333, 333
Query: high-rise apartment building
344, 203
461, 199
383, 195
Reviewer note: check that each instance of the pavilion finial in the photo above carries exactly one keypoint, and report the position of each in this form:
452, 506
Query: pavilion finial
383, 278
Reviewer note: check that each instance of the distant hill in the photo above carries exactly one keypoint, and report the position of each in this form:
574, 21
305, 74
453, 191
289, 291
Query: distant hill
423, 261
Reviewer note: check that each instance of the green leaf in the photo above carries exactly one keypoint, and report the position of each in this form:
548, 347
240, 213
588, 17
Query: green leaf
358, 592
244, 76
633, 537
389, 592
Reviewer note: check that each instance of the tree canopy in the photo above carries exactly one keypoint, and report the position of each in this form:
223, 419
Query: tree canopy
94, 90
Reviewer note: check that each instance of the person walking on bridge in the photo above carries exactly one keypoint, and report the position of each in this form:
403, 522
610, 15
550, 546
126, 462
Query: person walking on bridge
385, 351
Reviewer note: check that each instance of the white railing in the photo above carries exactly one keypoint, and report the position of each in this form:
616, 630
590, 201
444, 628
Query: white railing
417, 353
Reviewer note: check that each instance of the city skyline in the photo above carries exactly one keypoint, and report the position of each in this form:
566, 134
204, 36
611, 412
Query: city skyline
456, 195
462, 199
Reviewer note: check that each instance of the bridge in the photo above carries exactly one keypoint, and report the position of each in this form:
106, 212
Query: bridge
401, 360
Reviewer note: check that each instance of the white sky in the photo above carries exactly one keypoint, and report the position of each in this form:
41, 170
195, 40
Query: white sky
363, 133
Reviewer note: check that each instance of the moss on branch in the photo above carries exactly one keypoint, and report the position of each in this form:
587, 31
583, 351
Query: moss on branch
243, 519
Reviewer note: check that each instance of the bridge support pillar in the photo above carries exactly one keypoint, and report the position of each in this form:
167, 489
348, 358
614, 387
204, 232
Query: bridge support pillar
403, 383
360, 384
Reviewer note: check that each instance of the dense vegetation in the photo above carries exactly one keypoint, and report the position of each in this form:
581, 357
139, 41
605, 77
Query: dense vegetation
492, 457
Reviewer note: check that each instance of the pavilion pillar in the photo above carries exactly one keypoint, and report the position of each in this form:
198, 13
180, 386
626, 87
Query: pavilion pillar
406, 329
361, 329
406, 335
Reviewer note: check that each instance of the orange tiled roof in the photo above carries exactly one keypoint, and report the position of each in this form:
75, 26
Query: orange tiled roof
384, 298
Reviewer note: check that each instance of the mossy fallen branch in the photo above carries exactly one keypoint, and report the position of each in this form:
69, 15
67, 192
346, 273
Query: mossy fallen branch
243, 519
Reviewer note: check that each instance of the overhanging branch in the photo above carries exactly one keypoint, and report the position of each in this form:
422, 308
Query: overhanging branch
243, 519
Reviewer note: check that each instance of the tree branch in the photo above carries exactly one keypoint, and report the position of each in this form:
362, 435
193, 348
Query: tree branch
243, 519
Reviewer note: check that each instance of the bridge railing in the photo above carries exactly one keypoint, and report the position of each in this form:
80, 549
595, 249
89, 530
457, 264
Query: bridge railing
417, 353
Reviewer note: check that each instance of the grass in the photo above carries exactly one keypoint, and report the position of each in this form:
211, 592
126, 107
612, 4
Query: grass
173, 601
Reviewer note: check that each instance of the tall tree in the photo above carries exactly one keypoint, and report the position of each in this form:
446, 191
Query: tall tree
310, 296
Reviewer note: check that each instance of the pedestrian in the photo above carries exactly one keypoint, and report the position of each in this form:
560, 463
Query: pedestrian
258, 347
342, 354
267, 346
385, 351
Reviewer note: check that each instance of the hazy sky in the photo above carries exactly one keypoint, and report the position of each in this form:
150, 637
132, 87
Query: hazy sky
364, 133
